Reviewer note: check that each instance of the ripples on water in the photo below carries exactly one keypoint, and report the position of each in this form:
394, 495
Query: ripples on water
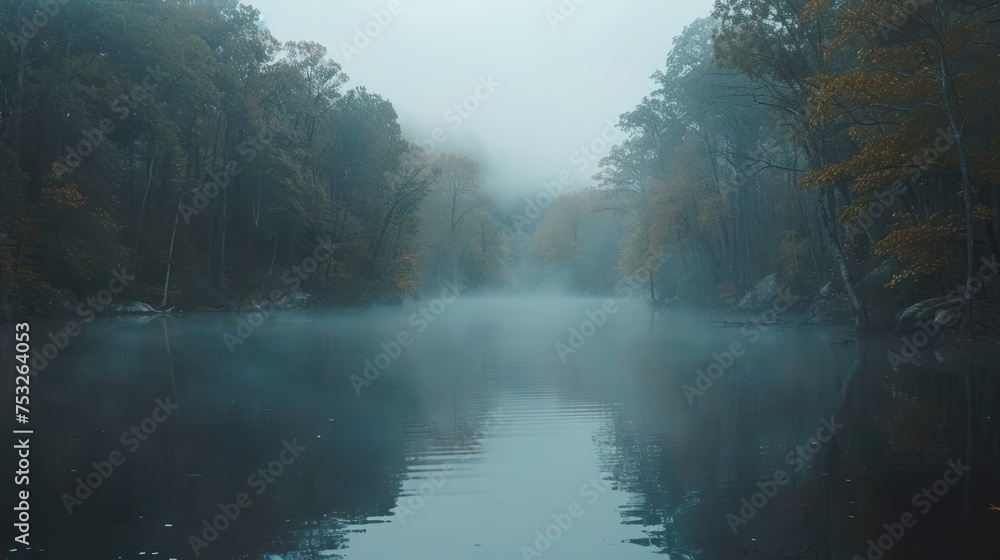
478, 434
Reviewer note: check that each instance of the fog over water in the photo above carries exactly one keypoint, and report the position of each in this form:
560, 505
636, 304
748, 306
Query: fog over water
500, 279
478, 439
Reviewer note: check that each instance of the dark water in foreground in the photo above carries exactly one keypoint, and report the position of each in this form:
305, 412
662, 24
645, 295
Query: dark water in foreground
479, 442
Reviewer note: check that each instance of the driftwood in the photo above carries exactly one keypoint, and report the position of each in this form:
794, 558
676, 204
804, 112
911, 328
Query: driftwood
759, 323
138, 308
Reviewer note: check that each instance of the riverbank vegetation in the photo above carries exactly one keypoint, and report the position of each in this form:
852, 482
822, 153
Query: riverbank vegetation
846, 150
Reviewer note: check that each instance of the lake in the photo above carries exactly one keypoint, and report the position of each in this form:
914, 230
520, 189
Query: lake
509, 428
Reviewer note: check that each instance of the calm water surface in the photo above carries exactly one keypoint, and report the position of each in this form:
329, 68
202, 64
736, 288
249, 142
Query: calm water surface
479, 442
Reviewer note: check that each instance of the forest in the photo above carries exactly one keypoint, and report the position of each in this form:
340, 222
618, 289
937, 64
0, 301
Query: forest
844, 150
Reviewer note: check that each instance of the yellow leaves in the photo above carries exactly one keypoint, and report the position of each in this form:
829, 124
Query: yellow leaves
852, 213
855, 22
66, 196
888, 156
879, 83
826, 177
982, 213
922, 248
820, 178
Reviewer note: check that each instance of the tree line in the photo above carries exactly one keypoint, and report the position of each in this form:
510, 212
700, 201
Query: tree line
843, 148
847, 146
182, 141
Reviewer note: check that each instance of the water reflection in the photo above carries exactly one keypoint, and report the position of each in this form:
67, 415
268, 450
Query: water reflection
479, 439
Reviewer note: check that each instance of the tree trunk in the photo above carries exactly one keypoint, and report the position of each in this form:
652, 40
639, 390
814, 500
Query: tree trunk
145, 197
830, 227
170, 260
820, 277
222, 242
381, 234
963, 163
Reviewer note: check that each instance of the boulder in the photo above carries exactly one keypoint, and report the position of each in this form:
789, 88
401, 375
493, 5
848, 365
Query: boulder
827, 289
136, 319
943, 311
763, 294
136, 307
836, 309
946, 318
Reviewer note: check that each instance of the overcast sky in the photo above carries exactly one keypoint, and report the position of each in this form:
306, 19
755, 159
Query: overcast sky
548, 79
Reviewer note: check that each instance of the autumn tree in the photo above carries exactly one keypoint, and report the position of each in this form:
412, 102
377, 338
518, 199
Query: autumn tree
919, 103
